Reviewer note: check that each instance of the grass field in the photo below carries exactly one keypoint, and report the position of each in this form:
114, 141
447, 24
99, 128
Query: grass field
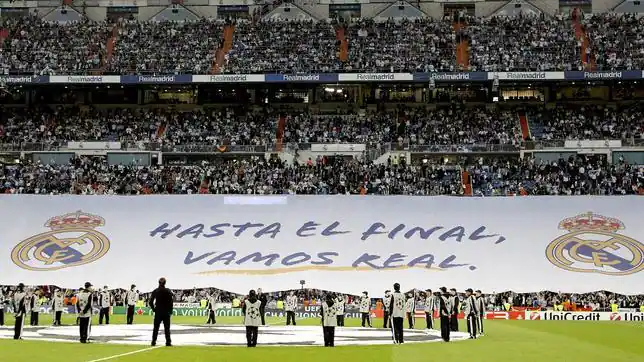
522, 341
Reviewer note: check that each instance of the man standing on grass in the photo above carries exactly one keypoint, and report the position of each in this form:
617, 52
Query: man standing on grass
20, 310
84, 309
397, 307
104, 302
34, 306
212, 308
480, 306
161, 303
430, 307
262, 308
131, 297
385, 308
339, 310
58, 303
445, 311
291, 306
454, 304
329, 321
1, 308
471, 312
365, 306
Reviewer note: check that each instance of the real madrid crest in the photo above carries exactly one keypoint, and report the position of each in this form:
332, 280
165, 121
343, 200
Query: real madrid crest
593, 245
72, 241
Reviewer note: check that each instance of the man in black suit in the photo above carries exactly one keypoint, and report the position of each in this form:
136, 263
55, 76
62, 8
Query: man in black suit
160, 302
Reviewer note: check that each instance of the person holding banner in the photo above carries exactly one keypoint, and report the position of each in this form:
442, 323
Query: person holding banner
397, 307
20, 310
131, 297
471, 313
212, 308
1, 308
84, 309
365, 309
251, 309
291, 306
455, 304
34, 306
409, 309
385, 307
480, 306
329, 321
58, 304
339, 311
104, 302
445, 311
430, 307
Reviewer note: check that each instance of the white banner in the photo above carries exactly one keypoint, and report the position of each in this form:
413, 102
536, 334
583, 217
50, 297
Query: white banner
371, 77
228, 78
584, 316
346, 244
85, 79
94, 145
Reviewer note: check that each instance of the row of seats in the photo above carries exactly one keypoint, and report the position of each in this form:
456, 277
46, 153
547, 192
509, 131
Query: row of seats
452, 125
495, 176
495, 44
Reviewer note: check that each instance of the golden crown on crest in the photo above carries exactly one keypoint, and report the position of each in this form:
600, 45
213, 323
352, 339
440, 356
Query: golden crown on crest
591, 222
75, 220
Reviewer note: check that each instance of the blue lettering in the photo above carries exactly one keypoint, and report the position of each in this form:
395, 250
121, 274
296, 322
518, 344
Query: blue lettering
216, 230
296, 258
366, 259
258, 257
424, 234
392, 233
308, 226
373, 230
324, 258
394, 258
456, 232
446, 264
164, 231
476, 235
228, 257
329, 230
243, 227
427, 259
195, 230
189, 258
272, 229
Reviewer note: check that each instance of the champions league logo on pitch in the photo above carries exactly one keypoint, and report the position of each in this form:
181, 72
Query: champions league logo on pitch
593, 245
72, 241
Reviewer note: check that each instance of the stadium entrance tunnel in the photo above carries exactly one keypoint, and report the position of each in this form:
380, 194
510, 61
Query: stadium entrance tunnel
228, 335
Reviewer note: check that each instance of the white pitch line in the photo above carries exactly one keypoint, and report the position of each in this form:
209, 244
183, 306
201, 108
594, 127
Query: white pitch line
124, 354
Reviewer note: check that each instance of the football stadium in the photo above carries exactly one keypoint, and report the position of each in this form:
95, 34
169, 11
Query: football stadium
321, 180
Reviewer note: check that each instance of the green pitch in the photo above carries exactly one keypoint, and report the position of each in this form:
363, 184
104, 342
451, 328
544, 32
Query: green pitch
505, 341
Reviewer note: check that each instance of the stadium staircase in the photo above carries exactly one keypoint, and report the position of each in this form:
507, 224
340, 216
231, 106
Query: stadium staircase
467, 183
587, 60
279, 137
109, 48
4, 34
462, 44
224, 48
340, 34
525, 126
536, 129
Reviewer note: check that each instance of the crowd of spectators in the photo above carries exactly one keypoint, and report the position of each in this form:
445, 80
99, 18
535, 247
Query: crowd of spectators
525, 43
499, 43
166, 47
34, 46
616, 40
490, 176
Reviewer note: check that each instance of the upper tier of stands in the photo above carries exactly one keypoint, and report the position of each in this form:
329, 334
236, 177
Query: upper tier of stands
32, 46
